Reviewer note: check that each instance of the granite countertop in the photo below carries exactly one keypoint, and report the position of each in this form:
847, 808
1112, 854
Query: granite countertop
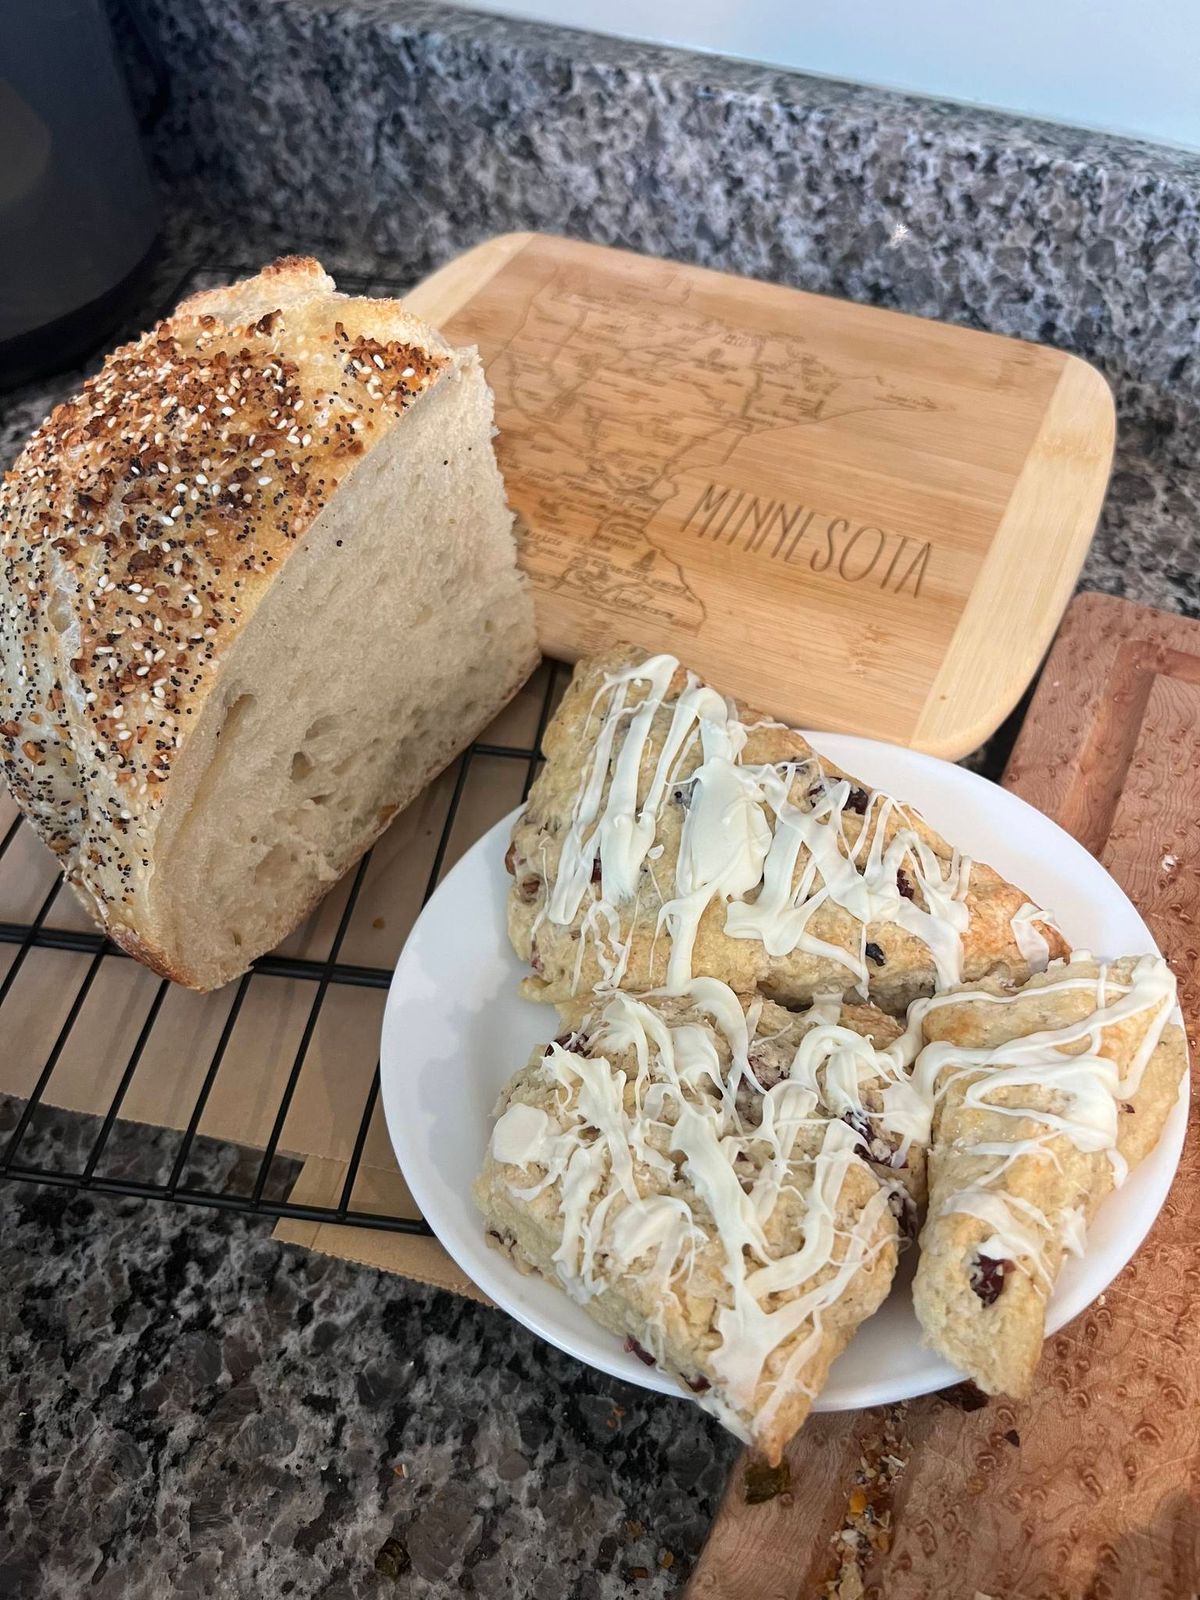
191, 1408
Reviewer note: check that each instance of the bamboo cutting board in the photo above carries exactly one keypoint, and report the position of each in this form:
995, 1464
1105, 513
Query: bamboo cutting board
852, 519
1090, 1489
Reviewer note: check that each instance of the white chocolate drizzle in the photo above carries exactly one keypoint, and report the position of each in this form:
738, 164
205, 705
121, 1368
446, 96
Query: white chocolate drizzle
1033, 945
746, 842
1078, 1094
677, 1111
834, 1063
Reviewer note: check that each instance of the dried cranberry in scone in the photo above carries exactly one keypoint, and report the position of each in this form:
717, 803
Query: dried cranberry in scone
987, 1277
635, 1349
857, 1119
575, 1042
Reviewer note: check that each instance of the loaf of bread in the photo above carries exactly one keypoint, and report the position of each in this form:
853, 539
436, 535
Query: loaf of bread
258, 585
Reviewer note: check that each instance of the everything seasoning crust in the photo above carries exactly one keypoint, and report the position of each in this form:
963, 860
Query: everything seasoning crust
145, 519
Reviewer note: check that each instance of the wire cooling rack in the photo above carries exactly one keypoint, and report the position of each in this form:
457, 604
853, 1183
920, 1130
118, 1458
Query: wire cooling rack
26, 1158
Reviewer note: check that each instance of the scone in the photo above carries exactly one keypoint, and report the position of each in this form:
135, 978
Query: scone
1043, 1097
729, 1231
672, 832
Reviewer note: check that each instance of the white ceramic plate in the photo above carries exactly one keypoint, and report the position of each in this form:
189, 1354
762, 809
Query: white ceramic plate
455, 1031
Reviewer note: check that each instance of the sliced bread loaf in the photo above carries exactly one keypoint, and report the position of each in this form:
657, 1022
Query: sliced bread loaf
257, 586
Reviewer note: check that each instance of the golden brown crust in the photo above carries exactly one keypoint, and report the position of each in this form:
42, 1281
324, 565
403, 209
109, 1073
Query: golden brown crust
149, 955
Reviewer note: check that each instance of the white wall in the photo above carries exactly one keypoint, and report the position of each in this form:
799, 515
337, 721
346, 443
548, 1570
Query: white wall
1128, 66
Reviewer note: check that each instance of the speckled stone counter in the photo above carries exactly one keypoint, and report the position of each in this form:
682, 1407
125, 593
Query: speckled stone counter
415, 128
188, 1408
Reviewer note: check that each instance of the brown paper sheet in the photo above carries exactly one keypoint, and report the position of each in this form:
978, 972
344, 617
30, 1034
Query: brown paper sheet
376, 1189
323, 1119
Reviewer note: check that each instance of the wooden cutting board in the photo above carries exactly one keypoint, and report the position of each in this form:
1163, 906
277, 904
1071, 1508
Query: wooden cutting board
1089, 1490
851, 518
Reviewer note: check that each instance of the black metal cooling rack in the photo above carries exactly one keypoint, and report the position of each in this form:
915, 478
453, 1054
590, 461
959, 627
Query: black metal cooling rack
321, 974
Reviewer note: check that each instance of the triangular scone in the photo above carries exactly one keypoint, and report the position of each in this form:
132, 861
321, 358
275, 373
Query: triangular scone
1042, 1098
672, 832
730, 1234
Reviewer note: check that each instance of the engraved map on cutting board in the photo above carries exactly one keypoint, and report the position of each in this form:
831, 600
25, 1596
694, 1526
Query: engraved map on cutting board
809, 500
613, 399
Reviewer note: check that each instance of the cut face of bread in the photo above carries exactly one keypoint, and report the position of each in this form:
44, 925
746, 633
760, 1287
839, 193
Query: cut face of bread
262, 587
391, 638
728, 1227
672, 832
1042, 1097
